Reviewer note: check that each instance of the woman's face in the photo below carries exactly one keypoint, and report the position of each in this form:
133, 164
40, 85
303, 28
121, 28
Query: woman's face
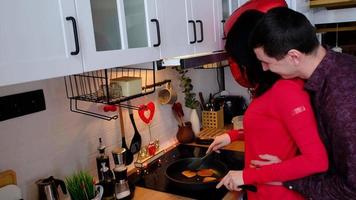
283, 67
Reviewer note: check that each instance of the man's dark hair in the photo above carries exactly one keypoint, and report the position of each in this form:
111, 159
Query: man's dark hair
282, 29
238, 48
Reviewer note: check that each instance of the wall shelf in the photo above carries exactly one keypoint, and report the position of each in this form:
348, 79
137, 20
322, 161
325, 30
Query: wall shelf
95, 87
332, 4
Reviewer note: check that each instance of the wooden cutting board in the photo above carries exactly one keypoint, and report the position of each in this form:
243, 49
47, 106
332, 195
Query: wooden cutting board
207, 135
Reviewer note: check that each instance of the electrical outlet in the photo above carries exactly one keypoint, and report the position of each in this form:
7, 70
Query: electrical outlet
17, 105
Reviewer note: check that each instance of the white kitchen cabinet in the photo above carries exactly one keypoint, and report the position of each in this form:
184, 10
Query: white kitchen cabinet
225, 9
188, 27
301, 6
204, 13
118, 32
174, 29
37, 40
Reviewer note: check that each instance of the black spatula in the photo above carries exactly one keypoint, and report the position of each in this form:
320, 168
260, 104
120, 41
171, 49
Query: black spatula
197, 162
136, 141
128, 154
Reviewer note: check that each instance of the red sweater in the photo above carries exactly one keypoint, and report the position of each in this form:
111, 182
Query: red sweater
281, 122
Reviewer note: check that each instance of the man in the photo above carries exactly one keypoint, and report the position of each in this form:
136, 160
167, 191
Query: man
285, 43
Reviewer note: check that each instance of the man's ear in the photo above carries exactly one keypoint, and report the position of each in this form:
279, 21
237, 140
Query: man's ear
294, 56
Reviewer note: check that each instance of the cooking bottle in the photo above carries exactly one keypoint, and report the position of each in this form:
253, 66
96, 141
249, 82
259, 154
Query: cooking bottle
102, 162
106, 177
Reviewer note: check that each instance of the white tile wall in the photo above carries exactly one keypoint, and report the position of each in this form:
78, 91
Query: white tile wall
57, 142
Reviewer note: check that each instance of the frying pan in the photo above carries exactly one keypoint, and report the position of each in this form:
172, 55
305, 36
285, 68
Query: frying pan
175, 169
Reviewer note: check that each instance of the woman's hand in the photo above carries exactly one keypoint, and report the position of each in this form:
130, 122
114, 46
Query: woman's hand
219, 142
232, 180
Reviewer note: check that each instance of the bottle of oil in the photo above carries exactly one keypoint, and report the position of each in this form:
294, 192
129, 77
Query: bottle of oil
106, 177
101, 160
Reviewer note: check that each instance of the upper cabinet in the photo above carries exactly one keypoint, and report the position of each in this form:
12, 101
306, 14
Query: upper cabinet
204, 17
225, 9
188, 27
301, 6
118, 32
38, 40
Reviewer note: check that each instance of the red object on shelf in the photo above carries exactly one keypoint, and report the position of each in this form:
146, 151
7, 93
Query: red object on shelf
111, 108
260, 5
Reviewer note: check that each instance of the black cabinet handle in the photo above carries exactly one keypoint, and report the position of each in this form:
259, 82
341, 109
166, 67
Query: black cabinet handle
223, 23
201, 31
158, 32
76, 52
195, 32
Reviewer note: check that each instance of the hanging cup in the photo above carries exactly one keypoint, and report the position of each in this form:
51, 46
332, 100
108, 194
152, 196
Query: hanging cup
167, 95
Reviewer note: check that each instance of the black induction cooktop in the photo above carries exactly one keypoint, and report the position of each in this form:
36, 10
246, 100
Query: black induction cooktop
153, 177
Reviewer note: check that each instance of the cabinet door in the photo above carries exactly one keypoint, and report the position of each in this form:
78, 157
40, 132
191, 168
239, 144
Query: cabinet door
176, 26
36, 40
225, 9
204, 13
118, 32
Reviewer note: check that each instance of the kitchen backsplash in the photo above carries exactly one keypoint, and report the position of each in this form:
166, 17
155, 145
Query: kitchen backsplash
58, 142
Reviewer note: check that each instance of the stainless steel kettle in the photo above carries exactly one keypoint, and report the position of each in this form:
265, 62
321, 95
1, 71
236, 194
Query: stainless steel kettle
48, 188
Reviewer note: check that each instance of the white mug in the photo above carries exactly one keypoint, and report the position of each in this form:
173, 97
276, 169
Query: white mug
99, 190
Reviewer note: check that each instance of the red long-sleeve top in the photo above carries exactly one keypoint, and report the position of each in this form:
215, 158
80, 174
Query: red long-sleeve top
281, 122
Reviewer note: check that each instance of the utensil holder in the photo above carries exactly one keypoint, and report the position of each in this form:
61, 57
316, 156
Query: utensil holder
213, 119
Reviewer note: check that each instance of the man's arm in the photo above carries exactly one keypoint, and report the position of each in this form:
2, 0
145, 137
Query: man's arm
337, 117
339, 182
323, 186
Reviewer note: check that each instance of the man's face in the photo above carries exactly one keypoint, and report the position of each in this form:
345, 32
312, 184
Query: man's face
283, 67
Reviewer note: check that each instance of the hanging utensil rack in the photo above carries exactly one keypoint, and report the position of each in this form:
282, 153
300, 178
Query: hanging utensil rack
94, 87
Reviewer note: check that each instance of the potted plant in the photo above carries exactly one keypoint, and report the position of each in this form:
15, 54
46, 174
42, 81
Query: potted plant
186, 85
81, 186
190, 100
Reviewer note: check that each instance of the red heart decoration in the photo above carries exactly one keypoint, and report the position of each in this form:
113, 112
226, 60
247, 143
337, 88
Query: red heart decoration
150, 109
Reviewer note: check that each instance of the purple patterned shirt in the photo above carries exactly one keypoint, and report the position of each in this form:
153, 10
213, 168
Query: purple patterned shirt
332, 88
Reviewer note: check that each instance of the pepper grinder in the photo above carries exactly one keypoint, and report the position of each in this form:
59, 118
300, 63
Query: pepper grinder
122, 188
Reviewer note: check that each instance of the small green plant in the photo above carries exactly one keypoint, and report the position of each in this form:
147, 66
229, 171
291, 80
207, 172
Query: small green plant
81, 186
186, 85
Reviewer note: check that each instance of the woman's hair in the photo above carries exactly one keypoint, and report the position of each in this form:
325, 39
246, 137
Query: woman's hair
238, 48
282, 29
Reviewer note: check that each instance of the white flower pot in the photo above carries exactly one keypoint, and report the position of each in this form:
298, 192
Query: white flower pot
194, 119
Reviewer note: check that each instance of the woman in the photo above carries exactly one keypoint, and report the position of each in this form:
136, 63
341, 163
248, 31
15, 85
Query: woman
279, 121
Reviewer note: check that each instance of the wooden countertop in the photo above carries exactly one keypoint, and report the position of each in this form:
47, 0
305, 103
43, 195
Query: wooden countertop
144, 193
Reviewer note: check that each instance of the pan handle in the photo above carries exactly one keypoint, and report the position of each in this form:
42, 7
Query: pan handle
251, 188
